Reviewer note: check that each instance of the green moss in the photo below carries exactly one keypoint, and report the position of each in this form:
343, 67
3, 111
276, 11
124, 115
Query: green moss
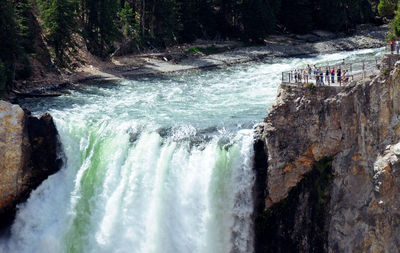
205, 50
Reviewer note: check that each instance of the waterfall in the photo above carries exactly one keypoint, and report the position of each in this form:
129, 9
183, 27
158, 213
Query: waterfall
145, 194
155, 164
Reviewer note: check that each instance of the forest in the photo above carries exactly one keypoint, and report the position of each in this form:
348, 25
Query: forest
104, 25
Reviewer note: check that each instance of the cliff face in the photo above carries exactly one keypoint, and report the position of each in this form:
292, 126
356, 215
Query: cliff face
28, 155
356, 128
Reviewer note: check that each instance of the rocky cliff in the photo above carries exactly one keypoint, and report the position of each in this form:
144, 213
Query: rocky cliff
330, 180
28, 155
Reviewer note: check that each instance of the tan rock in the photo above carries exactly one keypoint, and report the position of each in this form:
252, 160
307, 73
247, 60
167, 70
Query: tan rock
28, 155
12, 148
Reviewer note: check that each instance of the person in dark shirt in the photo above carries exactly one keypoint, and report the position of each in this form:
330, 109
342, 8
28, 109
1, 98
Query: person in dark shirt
327, 75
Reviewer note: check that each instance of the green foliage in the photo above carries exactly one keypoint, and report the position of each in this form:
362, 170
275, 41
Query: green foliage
59, 21
343, 14
100, 25
24, 20
130, 20
196, 19
386, 8
385, 72
10, 48
205, 50
311, 87
3, 78
395, 29
390, 35
105, 24
297, 15
258, 19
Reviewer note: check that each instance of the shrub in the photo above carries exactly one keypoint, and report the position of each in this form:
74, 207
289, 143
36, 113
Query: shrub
386, 8
311, 87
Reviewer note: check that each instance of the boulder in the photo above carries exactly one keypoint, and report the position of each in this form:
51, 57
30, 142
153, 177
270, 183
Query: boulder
29, 153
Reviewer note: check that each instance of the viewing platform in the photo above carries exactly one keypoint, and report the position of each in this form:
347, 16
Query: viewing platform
349, 72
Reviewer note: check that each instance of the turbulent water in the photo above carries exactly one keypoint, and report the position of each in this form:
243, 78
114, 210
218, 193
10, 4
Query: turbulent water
155, 164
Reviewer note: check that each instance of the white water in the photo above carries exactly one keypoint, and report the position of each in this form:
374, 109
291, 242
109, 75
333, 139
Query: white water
155, 164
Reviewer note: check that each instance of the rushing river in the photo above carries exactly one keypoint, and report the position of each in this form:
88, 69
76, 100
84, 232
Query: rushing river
155, 164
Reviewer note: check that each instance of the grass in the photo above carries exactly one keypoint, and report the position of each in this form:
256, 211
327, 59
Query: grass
205, 50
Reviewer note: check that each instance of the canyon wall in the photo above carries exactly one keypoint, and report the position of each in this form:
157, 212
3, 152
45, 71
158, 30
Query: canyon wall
29, 149
330, 181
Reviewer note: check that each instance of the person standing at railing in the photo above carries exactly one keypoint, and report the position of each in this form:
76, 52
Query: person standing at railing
391, 46
321, 77
339, 74
327, 75
315, 71
333, 75
345, 78
397, 47
305, 76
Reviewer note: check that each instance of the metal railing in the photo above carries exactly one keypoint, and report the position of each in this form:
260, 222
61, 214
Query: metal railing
318, 75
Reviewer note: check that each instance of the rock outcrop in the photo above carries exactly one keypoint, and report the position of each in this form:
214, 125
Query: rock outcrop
28, 155
357, 128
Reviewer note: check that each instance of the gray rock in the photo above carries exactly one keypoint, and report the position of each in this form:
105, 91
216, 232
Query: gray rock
324, 34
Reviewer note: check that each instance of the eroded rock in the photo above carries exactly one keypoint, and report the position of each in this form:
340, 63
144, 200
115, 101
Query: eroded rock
359, 127
28, 155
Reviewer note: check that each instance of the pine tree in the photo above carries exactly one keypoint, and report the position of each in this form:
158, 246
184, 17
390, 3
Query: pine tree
59, 21
100, 25
343, 14
296, 15
9, 46
162, 23
189, 27
258, 19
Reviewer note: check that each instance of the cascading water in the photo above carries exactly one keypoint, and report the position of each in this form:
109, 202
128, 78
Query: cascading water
154, 164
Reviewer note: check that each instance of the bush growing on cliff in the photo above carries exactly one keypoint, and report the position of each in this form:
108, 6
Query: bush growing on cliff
311, 87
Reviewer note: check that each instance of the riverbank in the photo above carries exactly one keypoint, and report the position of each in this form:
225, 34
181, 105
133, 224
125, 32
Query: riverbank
191, 56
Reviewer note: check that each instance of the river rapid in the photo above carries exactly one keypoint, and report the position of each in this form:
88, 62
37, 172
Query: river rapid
156, 164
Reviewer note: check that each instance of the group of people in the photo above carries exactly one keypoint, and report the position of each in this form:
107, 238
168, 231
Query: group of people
320, 76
